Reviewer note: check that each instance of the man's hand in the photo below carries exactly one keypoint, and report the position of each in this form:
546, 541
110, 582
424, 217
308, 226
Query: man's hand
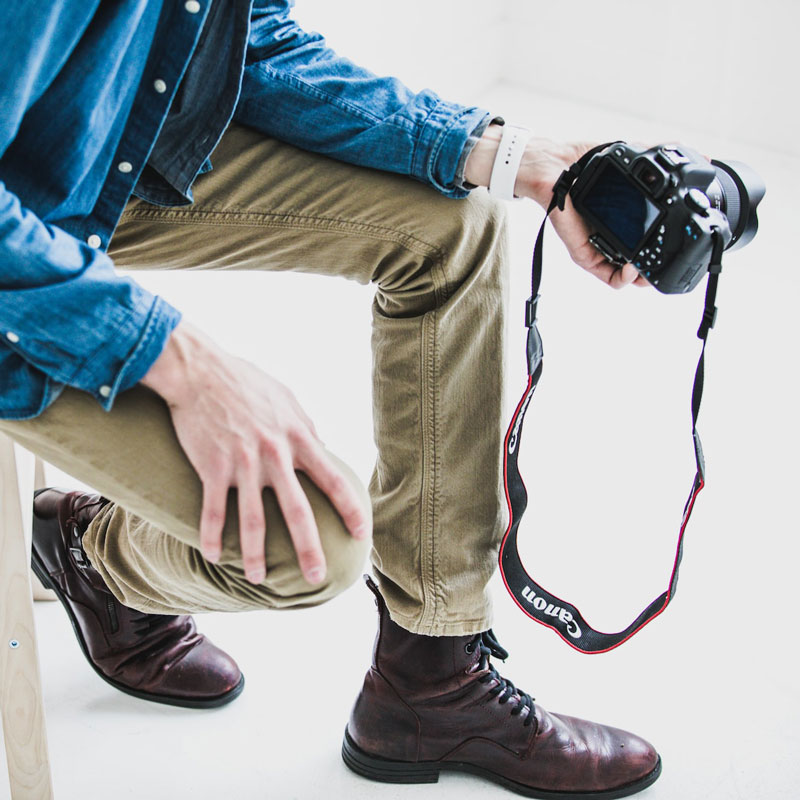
240, 427
542, 164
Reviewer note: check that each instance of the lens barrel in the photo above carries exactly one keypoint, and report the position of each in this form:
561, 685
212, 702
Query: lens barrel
736, 191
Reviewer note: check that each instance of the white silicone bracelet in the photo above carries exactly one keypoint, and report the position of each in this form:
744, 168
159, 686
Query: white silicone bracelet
507, 161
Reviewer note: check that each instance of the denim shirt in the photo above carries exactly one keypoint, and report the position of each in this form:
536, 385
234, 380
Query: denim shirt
101, 99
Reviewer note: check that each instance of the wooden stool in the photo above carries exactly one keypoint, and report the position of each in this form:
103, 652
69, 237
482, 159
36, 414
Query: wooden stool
21, 700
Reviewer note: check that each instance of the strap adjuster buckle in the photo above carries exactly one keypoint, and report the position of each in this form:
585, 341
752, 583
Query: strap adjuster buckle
708, 321
79, 557
531, 305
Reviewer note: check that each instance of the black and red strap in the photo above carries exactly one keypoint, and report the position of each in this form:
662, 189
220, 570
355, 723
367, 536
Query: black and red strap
534, 600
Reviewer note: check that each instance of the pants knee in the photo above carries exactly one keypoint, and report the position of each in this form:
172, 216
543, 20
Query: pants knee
345, 557
458, 242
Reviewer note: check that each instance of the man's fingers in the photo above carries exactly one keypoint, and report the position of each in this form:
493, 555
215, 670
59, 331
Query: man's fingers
616, 277
575, 234
310, 423
212, 518
313, 460
251, 525
624, 276
299, 520
603, 270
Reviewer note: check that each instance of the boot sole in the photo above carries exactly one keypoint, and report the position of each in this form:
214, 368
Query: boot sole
170, 700
387, 771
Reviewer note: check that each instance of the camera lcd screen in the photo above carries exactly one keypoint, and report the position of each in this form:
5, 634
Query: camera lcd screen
620, 206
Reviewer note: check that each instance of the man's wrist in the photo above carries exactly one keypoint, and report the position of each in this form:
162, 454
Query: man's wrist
169, 373
542, 162
478, 169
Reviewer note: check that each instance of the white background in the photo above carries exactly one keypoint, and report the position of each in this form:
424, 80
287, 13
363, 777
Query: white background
607, 453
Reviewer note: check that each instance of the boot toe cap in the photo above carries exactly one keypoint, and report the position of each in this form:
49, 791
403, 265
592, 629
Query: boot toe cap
206, 675
612, 758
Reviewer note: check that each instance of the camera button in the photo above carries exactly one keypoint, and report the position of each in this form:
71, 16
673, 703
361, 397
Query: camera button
697, 201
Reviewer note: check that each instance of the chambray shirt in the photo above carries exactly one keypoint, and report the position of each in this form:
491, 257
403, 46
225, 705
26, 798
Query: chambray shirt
101, 98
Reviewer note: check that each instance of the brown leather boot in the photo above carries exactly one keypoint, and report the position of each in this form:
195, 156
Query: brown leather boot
151, 656
436, 703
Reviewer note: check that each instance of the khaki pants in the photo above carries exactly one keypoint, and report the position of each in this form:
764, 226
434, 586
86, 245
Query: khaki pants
438, 266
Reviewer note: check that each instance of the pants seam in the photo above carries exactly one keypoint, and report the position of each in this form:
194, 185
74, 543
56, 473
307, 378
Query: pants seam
286, 220
426, 501
429, 390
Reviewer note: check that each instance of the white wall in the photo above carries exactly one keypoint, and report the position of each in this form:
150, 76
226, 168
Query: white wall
729, 66
725, 68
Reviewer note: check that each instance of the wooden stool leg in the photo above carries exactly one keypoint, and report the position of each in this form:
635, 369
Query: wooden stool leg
38, 474
39, 592
21, 700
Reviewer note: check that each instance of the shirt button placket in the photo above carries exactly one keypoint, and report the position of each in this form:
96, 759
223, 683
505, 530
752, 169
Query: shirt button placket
125, 166
94, 241
159, 85
192, 6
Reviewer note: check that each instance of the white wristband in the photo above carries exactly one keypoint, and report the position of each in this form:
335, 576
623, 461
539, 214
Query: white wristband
507, 161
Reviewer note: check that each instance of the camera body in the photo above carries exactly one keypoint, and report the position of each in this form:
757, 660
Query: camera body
656, 208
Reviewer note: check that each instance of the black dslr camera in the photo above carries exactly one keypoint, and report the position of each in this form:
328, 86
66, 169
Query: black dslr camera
662, 208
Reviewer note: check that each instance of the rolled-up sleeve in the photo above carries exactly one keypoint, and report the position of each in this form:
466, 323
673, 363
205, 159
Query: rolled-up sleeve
65, 310
297, 89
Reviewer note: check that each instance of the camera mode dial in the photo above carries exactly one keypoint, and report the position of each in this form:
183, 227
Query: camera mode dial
697, 201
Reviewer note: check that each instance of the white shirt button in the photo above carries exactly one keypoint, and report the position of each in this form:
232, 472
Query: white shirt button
159, 85
105, 391
124, 166
12, 337
94, 241
192, 6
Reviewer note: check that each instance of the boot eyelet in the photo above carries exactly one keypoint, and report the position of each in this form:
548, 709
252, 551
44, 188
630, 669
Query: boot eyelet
469, 647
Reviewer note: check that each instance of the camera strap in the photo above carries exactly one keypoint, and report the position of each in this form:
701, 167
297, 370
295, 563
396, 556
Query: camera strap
534, 600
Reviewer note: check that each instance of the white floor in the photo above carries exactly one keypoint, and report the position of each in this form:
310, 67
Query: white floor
608, 463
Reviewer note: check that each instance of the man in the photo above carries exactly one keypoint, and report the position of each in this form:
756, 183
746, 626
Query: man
216, 492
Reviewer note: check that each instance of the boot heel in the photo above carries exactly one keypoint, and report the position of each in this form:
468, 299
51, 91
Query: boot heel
383, 769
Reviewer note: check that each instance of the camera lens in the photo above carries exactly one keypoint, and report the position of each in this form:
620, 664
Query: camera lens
736, 191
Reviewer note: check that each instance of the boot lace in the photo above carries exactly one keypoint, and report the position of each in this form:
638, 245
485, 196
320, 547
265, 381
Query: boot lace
504, 690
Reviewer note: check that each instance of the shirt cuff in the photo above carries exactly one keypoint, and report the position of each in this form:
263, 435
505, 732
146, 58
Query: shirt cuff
112, 379
441, 143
